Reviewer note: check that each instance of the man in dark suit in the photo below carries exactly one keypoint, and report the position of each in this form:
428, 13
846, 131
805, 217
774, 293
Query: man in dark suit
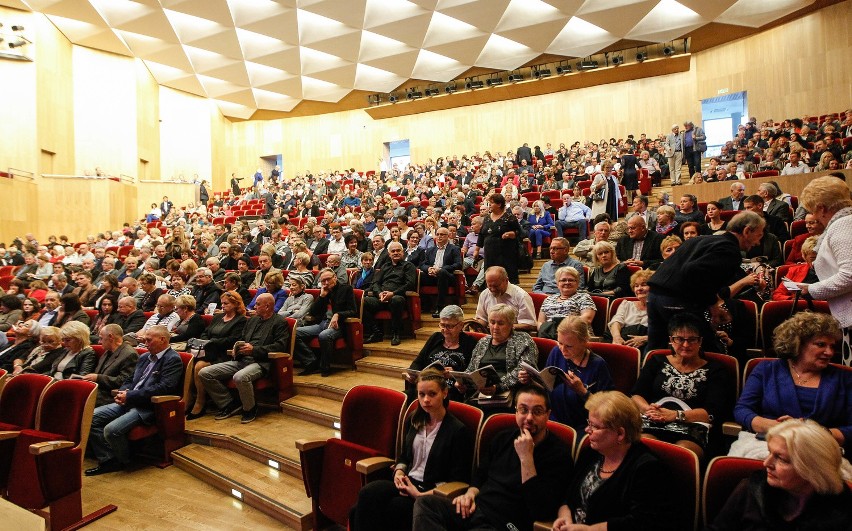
388, 292
439, 266
772, 205
639, 247
131, 320
319, 243
157, 373
115, 366
524, 153
380, 254
263, 334
166, 206
250, 247
773, 223
335, 303
735, 200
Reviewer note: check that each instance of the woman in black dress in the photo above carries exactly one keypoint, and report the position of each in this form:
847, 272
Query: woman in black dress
499, 238
629, 175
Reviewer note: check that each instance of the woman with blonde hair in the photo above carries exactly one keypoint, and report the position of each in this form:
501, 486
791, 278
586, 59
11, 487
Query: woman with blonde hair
79, 358
629, 325
610, 278
802, 485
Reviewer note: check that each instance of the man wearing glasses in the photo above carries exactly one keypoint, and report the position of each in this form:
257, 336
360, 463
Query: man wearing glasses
336, 302
546, 281
519, 480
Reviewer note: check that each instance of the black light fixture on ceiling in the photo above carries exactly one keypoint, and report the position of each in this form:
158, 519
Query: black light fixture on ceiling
17, 44
587, 64
473, 84
494, 81
414, 94
617, 60
393, 98
374, 99
563, 68
432, 90
641, 56
17, 28
541, 71
450, 88
516, 76
669, 50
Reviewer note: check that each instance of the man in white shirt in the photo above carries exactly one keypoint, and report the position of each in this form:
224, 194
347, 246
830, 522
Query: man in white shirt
501, 291
795, 166
336, 245
573, 214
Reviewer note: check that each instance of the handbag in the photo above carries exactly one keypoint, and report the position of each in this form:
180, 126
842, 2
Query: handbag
598, 195
548, 328
196, 346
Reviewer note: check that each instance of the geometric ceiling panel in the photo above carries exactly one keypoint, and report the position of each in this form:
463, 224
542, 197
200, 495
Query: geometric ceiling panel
247, 55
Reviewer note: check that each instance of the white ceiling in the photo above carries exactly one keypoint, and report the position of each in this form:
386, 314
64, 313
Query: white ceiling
264, 54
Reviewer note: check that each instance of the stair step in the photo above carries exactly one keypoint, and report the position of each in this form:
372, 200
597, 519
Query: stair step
272, 436
316, 409
339, 383
275, 493
386, 365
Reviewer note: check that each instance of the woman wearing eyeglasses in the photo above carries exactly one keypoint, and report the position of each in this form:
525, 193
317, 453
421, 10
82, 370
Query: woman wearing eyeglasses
450, 347
617, 482
680, 394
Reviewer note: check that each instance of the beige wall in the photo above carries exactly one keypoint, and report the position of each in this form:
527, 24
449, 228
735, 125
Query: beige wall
795, 69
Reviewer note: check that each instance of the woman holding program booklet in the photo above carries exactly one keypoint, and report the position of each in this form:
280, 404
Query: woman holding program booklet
583, 373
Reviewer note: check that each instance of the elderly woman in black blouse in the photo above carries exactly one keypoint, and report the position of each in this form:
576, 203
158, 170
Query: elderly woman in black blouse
610, 277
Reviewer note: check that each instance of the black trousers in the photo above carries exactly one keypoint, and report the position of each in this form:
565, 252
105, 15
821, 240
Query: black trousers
396, 305
432, 513
442, 280
381, 506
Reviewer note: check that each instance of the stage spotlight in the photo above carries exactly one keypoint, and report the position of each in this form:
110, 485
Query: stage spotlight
494, 81
449, 89
514, 78
17, 44
617, 60
414, 94
432, 91
587, 65
668, 51
474, 84
17, 28
541, 72
393, 98
641, 56
563, 69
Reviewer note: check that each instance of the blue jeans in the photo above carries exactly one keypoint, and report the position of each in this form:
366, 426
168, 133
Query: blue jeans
108, 435
327, 336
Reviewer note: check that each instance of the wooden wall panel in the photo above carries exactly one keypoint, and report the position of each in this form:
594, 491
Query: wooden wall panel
19, 205
55, 90
791, 184
105, 119
147, 122
17, 92
180, 194
185, 134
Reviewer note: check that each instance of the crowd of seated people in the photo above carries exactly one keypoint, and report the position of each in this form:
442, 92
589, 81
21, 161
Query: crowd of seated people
155, 293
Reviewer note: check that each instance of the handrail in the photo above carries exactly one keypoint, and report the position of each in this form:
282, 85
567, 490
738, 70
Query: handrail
89, 177
170, 181
127, 178
14, 172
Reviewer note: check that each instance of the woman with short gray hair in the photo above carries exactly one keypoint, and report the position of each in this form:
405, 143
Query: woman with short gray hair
451, 347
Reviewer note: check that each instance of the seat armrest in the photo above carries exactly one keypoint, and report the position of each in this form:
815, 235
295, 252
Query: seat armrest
732, 429
305, 445
412, 294
373, 464
6, 435
755, 352
352, 320
164, 398
278, 355
542, 526
49, 446
451, 490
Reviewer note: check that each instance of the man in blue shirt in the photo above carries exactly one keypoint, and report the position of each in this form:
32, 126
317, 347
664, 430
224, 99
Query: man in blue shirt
546, 281
573, 214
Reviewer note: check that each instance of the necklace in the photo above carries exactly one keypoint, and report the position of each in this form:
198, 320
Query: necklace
802, 381
602, 471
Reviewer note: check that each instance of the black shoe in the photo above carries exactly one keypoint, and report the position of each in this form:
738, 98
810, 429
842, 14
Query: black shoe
249, 416
193, 416
113, 465
374, 338
395, 340
229, 411
313, 368
326, 372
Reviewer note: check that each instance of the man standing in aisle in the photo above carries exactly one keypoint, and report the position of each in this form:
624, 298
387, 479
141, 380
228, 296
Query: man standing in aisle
694, 144
674, 153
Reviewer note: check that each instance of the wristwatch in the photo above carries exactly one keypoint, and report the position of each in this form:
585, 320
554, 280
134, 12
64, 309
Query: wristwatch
681, 416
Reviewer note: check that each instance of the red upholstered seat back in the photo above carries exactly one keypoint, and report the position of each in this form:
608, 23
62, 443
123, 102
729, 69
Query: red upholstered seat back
370, 417
623, 364
340, 481
722, 476
24, 486
684, 479
19, 401
64, 406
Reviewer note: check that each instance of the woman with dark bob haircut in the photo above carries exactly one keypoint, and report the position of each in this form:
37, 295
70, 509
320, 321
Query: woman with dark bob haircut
801, 383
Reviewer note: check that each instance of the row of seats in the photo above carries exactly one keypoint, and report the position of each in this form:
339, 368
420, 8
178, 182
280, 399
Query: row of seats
335, 469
